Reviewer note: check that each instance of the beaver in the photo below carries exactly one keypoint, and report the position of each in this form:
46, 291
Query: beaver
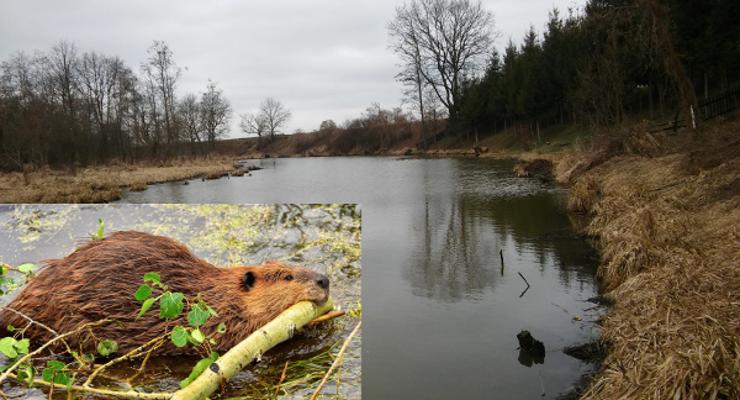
98, 281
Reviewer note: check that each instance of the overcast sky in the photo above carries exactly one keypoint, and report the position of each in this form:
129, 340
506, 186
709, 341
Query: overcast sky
324, 59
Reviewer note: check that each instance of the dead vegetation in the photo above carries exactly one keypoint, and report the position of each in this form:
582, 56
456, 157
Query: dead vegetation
583, 195
539, 168
667, 215
103, 183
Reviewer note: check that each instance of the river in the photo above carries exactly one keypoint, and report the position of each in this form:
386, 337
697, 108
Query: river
440, 313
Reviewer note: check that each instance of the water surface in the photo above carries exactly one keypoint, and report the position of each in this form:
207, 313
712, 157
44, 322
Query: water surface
440, 316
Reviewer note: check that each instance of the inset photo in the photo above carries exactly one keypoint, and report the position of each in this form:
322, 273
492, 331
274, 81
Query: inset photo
180, 301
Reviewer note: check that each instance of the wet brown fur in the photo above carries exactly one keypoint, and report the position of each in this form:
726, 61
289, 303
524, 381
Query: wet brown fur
98, 280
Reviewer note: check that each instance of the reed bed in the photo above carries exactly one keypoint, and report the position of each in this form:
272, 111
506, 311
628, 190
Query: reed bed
103, 183
670, 239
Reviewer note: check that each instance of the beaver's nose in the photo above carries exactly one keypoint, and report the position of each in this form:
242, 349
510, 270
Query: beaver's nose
323, 282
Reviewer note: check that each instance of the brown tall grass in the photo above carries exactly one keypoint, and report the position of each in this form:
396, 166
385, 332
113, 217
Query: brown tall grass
584, 194
102, 183
669, 233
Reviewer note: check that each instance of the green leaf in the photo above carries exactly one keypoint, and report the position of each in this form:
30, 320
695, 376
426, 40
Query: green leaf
148, 303
10, 328
179, 336
221, 328
143, 292
54, 372
7, 347
25, 373
26, 268
61, 378
198, 315
48, 374
198, 336
21, 346
101, 228
198, 369
107, 347
55, 364
4, 268
171, 305
152, 276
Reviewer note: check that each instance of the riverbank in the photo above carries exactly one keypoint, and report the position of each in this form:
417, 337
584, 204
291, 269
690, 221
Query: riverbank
666, 212
105, 183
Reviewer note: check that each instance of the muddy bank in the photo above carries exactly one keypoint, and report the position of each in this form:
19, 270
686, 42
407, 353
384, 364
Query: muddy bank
666, 218
106, 183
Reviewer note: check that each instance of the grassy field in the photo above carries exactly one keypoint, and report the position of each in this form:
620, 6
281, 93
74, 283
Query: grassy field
103, 183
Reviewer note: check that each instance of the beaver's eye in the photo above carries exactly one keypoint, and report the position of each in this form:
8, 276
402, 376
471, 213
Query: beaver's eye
289, 278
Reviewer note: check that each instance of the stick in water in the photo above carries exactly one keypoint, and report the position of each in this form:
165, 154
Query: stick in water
525, 281
501, 254
336, 361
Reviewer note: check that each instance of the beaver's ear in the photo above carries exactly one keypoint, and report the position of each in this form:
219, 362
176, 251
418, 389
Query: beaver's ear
248, 280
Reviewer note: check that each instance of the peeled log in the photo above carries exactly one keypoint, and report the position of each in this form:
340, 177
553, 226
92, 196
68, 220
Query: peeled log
274, 332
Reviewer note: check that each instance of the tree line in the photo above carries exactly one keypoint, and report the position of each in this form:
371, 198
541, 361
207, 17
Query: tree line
610, 61
63, 107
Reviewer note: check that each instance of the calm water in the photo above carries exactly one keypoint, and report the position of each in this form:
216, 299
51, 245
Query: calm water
440, 317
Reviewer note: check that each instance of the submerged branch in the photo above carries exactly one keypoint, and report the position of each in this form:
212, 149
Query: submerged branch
525, 281
128, 356
129, 394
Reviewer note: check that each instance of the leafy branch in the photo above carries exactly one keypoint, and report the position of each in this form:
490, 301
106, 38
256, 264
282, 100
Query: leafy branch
171, 306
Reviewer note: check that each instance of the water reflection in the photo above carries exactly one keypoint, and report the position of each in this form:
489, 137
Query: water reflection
463, 232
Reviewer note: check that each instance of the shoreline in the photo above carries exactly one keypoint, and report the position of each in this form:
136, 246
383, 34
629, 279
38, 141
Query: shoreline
664, 220
100, 184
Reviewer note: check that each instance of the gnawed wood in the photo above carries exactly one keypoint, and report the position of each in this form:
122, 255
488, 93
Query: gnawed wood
274, 332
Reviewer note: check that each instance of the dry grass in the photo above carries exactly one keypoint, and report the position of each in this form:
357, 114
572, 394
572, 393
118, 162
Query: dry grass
670, 241
102, 183
583, 195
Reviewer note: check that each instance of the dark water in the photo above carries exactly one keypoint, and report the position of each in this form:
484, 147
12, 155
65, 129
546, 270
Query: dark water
440, 318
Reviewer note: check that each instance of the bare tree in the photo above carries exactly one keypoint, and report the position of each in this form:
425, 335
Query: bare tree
163, 74
20, 90
150, 131
253, 124
189, 117
100, 89
407, 46
215, 112
61, 108
434, 109
62, 67
275, 115
445, 41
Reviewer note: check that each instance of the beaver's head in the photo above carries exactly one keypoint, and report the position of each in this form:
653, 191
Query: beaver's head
274, 286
